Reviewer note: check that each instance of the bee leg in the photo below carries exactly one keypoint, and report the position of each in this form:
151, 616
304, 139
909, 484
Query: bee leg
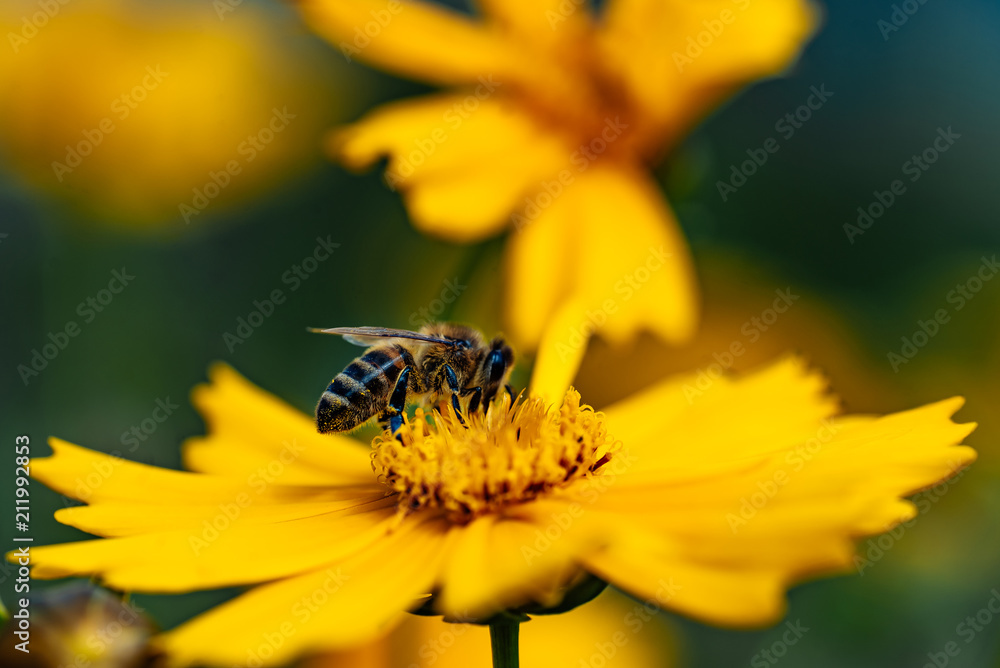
477, 396
397, 403
452, 380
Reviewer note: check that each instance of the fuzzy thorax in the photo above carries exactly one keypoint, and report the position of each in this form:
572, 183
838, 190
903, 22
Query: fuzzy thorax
512, 454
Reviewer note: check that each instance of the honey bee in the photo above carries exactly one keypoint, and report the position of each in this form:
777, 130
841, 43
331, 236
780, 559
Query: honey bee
401, 366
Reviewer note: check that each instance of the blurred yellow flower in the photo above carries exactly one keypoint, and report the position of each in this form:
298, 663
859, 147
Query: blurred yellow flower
709, 506
144, 114
609, 631
557, 116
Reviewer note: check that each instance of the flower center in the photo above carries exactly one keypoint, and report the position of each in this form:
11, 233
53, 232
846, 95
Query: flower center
513, 453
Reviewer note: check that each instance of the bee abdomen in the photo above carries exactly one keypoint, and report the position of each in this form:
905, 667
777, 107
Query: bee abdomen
360, 391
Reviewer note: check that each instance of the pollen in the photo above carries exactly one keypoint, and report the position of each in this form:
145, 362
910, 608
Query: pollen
513, 453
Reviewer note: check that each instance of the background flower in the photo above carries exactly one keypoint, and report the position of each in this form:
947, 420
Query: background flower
79, 624
558, 115
125, 110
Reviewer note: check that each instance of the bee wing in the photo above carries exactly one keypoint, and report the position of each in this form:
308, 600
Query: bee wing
369, 336
363, 341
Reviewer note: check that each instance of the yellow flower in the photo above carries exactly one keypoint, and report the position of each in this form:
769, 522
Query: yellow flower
556, 117
147, 116
711, 507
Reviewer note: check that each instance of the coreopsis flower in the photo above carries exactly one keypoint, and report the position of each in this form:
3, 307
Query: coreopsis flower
710, 507
554, 120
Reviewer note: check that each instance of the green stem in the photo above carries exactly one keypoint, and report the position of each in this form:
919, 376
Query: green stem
503, 640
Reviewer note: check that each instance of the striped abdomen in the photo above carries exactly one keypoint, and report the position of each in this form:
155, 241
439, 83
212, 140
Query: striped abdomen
362, 390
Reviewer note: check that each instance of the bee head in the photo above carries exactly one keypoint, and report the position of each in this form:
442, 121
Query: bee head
495, 368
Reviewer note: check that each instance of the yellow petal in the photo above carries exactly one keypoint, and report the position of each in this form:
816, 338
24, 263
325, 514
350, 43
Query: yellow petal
463, 162
415, 39
680, 58
639, 262
773, 512
498, 563
584, 635
610, 242
128, 498
127, 517
557, 362
221, 552
540, 25
779, 405
539, 262
340, 606
611, 624
94, 476
252, 433
730, 598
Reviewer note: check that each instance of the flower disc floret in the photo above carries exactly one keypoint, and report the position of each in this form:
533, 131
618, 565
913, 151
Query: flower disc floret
513, 453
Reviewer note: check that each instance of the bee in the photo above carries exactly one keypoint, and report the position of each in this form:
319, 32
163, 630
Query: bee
441, 359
